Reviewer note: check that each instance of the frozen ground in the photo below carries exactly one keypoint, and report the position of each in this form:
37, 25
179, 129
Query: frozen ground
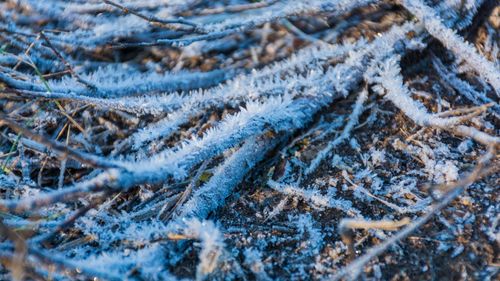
249, 140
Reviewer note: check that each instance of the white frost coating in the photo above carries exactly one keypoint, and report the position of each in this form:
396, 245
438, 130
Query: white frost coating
464, 88
388, 74
284, 9
253, 260
268, 81
212, 245
250, 86
305, 224
377, 157
463, 50
279, 113
314, 197
353, 121
445, 172
120, 263
212, 194
90, 30
128, 240
122, 80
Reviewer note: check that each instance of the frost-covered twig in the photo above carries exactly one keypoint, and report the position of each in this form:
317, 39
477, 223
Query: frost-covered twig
113, 81
274, 12
152, 19
387, 74
63, 150
68, 66
213, 193
464, 87
316, 198
462, 50
212, 244
353, 121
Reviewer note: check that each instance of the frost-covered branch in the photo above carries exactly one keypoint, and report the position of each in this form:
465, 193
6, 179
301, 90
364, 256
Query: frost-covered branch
451, 40
353, 121
315, 198
388, 76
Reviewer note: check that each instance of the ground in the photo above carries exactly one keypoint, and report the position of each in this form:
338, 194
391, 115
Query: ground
249, 140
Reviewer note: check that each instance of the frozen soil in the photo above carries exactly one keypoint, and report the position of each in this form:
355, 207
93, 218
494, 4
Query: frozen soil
279, 223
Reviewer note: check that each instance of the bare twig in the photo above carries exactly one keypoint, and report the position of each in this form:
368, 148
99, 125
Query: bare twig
61, 149
66, 63
152, 19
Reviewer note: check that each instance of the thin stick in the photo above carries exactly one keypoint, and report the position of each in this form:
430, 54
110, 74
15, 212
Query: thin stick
66, 63
153, 19
365, 224
71, 219
237, 8
26, 52
185, 195
64, 151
